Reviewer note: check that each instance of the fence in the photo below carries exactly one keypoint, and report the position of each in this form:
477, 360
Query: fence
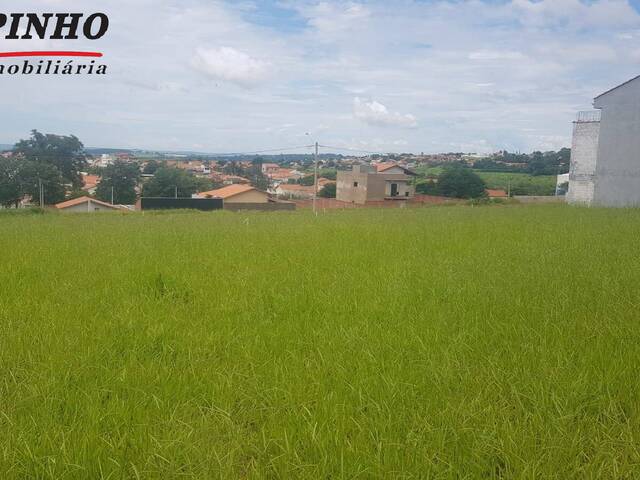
589, 116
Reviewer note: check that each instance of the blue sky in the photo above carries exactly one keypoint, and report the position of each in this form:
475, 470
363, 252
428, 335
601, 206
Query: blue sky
407, 75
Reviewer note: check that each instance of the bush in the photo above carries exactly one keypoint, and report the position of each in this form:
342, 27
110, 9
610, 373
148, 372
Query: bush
329, 191
461, 182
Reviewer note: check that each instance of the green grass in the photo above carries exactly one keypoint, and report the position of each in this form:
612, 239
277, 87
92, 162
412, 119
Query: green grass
458, 342
426, 171
521, 183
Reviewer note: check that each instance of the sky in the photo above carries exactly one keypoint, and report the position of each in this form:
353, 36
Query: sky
380, 76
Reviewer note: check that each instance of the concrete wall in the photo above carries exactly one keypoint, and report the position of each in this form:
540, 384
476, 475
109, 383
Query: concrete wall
262, 207
404, 189
372, 187
617, 181
584, 156
252, 196
539, 199
347, 192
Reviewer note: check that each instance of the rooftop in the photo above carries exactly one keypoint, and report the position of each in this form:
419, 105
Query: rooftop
227, 192
80, 200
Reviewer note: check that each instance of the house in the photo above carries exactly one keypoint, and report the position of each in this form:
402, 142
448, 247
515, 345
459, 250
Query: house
496, 193
237, 194
284, 175
86, 205
269, 168
605, 156
392, 168
301, 192
375, 183
90, 182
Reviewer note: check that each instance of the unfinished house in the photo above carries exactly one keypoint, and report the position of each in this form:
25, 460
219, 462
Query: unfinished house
367, 183
605, 156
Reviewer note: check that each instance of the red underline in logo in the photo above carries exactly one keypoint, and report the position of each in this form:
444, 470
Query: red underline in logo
50, 54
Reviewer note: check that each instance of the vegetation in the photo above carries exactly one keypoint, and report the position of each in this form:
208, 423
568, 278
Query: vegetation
520, 183
64, 153
536, 163
460, 182
253, 173
118, 183
50, 162
328, 191
269, 345
170, 182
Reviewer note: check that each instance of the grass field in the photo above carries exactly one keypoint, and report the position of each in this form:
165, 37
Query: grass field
449, 342
520, 183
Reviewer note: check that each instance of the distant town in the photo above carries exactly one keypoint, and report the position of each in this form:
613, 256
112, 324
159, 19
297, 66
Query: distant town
103, 179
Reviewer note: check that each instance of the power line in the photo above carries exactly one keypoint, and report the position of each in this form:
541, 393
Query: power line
284, 149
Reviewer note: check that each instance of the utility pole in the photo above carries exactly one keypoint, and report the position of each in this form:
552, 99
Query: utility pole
315, 179
41, 188
176, 187
111, 194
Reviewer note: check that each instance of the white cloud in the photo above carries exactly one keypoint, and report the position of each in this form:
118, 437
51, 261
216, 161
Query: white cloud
496, 55
375, 113
231, 65
509, 73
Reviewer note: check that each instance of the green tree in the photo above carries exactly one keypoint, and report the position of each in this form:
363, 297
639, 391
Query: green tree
21, 178
66, 153
10, 183
460, 182
151, 167
203, 184
307, 181
167, 180
329, 191
427, 188
122, 177
33, 174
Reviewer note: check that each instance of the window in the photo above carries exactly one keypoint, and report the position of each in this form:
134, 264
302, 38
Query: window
355, 184
406, 194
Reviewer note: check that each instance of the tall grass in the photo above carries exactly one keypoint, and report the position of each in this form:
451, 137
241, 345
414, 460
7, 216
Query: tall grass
520, 183
495, 342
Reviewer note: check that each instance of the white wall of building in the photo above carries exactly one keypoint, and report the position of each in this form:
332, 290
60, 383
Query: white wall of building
584, 158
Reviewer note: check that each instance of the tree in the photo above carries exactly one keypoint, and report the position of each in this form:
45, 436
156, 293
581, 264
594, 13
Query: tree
233, 168
203, 184
122, 177
20, 178
65, 153
460, 182
427, 188
34, 174
167, 181
329, 191
10, 183
151, 167
307, 181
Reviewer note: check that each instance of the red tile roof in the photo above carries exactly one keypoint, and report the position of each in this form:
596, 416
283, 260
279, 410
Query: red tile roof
496, 193
227, 192
90, 181
383, 167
